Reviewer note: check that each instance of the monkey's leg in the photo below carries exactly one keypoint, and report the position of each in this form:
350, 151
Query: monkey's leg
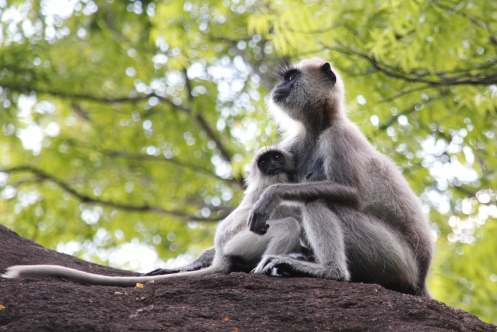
374, 252
285, 241
283, 237
378, 254
324, 233
203, 260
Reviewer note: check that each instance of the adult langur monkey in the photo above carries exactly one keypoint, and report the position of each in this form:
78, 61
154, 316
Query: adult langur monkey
235, 247
362, 221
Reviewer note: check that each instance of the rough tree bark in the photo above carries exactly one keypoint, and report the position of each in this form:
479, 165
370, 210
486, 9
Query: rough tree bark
235, 302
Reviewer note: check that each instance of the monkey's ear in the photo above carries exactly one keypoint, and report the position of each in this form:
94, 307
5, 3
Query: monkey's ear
330, 75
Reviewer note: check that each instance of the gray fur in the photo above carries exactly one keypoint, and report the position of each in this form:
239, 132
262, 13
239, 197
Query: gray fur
235, 247
361, 219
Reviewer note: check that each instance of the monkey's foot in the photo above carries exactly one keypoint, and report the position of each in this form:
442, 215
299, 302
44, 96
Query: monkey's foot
277, 266
273, 271
301, 257
278, 272
285, 265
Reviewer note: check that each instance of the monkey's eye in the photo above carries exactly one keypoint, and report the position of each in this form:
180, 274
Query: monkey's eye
278, 156
291, 75
262, 163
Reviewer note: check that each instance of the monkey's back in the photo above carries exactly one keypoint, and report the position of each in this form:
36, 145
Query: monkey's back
350, 159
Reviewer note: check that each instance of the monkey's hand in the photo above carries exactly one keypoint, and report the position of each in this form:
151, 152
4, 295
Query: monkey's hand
257, 222
262, 210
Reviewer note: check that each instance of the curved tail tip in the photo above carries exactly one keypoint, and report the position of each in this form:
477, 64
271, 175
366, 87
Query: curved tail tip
11, 273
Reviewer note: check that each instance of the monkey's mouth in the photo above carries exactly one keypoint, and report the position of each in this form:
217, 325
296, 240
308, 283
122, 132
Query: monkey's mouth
274, 171
279, 96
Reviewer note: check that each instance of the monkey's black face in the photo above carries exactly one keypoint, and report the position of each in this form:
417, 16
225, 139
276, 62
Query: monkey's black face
283, 90
271, 163
293, 80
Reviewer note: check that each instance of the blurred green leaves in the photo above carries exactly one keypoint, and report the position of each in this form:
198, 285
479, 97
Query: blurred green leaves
132, 121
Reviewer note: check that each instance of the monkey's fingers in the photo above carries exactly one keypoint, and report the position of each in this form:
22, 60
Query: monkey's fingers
257, 224
263, 229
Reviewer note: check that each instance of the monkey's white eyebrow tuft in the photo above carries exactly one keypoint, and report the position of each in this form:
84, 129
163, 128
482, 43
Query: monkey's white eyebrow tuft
284, 68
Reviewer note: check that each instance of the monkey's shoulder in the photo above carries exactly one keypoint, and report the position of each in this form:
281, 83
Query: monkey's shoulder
377, 163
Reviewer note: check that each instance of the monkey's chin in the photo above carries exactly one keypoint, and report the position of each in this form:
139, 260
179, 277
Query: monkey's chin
275, 171
283, 117
278, 98
282, 105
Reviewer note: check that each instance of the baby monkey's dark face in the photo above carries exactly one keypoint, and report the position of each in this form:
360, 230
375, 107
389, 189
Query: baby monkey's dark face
271, 163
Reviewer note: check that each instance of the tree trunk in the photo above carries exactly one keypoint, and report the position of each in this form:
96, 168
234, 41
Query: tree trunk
235, 302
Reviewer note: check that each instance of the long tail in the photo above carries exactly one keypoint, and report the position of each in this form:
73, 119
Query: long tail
41, 271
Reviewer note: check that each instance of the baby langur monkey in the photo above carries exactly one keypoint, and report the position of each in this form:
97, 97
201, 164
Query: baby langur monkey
236, 248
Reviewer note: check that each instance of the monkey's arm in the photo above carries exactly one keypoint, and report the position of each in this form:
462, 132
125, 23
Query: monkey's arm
203, 260
301, 193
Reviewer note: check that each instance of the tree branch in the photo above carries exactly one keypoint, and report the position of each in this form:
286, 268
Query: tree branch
87, 199
203, 124
405, 92
419, 75
464, 190
197, 117
145, 157
195, 168
460, 76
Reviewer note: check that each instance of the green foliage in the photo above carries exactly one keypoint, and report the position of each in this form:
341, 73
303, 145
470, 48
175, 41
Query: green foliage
132, 121
421, 84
